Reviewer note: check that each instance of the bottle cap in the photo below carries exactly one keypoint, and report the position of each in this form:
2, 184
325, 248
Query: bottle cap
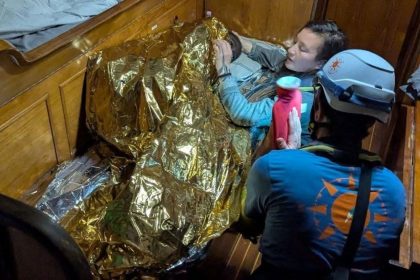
288, 82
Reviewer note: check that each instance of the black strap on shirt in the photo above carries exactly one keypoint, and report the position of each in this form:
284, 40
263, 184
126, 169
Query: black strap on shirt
342, 270
367, 161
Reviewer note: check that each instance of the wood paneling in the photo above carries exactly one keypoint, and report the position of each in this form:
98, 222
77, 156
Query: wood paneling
17, 79
33, 130
27, 148
401, 161
416, 191
40, 103
230, 257
409, 58
65, 38
378, 141
166, 16
376, 25
200, 9
159, 17
267, 20
71, 97
405, 257
380, 26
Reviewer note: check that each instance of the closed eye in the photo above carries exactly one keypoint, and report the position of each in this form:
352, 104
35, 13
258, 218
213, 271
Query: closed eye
303, 48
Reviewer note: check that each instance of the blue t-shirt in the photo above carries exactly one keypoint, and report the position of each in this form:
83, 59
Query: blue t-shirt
307, 201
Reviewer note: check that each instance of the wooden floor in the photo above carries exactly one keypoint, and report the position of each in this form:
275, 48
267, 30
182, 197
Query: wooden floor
230, 257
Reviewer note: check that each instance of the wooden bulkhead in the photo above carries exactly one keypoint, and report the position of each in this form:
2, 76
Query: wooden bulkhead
41, 91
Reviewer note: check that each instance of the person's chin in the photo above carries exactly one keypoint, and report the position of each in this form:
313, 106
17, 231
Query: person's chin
290, 65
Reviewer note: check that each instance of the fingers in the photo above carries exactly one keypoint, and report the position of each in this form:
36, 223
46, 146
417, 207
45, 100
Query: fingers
222, 45
226, 49
295, 130
216, 48
281, 143
222, 52
294, 122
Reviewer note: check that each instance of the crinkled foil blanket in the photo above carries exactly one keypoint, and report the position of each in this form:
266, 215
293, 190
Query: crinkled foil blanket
172, 175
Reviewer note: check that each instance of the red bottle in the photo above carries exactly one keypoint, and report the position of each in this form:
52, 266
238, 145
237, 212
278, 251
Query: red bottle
289, 96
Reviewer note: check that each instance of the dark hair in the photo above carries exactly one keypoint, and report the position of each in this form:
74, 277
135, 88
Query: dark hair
335, 40
346, 129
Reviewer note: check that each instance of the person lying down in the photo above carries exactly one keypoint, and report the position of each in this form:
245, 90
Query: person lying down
247, 85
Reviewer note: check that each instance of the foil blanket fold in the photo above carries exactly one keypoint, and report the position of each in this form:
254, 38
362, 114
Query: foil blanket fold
168, 175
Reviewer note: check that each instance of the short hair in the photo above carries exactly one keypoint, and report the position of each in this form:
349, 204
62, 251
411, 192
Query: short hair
335, 40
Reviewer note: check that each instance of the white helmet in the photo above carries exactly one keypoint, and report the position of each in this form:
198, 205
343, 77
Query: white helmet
359, 82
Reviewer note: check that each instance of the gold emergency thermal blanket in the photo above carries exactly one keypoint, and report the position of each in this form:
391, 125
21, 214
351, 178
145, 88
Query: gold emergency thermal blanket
174, 169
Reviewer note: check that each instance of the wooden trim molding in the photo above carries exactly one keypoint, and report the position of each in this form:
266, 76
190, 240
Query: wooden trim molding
416, 191
319, 9
410, 53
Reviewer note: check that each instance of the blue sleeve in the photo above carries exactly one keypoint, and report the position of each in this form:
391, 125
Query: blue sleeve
269, 56
258, 186
241, 111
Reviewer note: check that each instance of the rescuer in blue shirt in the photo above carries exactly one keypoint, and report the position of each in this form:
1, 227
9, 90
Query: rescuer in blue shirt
305, 199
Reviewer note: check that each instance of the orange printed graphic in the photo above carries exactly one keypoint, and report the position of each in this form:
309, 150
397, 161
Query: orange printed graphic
340, 211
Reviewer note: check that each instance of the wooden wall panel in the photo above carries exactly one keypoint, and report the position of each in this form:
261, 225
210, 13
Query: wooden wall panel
230, 257
267, 20
379, 26
159, 17
33, 130
57, 121
376, 25
71, 97
34, 139
401, 161
407, 168
27, 148
17, 79
416, 191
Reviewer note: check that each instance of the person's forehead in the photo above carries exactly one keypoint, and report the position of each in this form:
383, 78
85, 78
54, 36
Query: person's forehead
310, 39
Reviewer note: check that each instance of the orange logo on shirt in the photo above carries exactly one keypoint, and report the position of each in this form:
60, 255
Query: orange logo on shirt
339, 213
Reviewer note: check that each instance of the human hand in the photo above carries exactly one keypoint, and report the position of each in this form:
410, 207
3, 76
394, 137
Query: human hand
246, 43
295, 131
223, 55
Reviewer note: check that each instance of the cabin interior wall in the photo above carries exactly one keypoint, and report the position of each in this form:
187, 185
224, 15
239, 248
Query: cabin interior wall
377, 25
273, 21
40, 122
38, 128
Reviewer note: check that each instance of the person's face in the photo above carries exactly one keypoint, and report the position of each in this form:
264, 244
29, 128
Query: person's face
301, 57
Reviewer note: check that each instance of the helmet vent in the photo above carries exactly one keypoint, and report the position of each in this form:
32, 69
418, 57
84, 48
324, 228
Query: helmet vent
379, 87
